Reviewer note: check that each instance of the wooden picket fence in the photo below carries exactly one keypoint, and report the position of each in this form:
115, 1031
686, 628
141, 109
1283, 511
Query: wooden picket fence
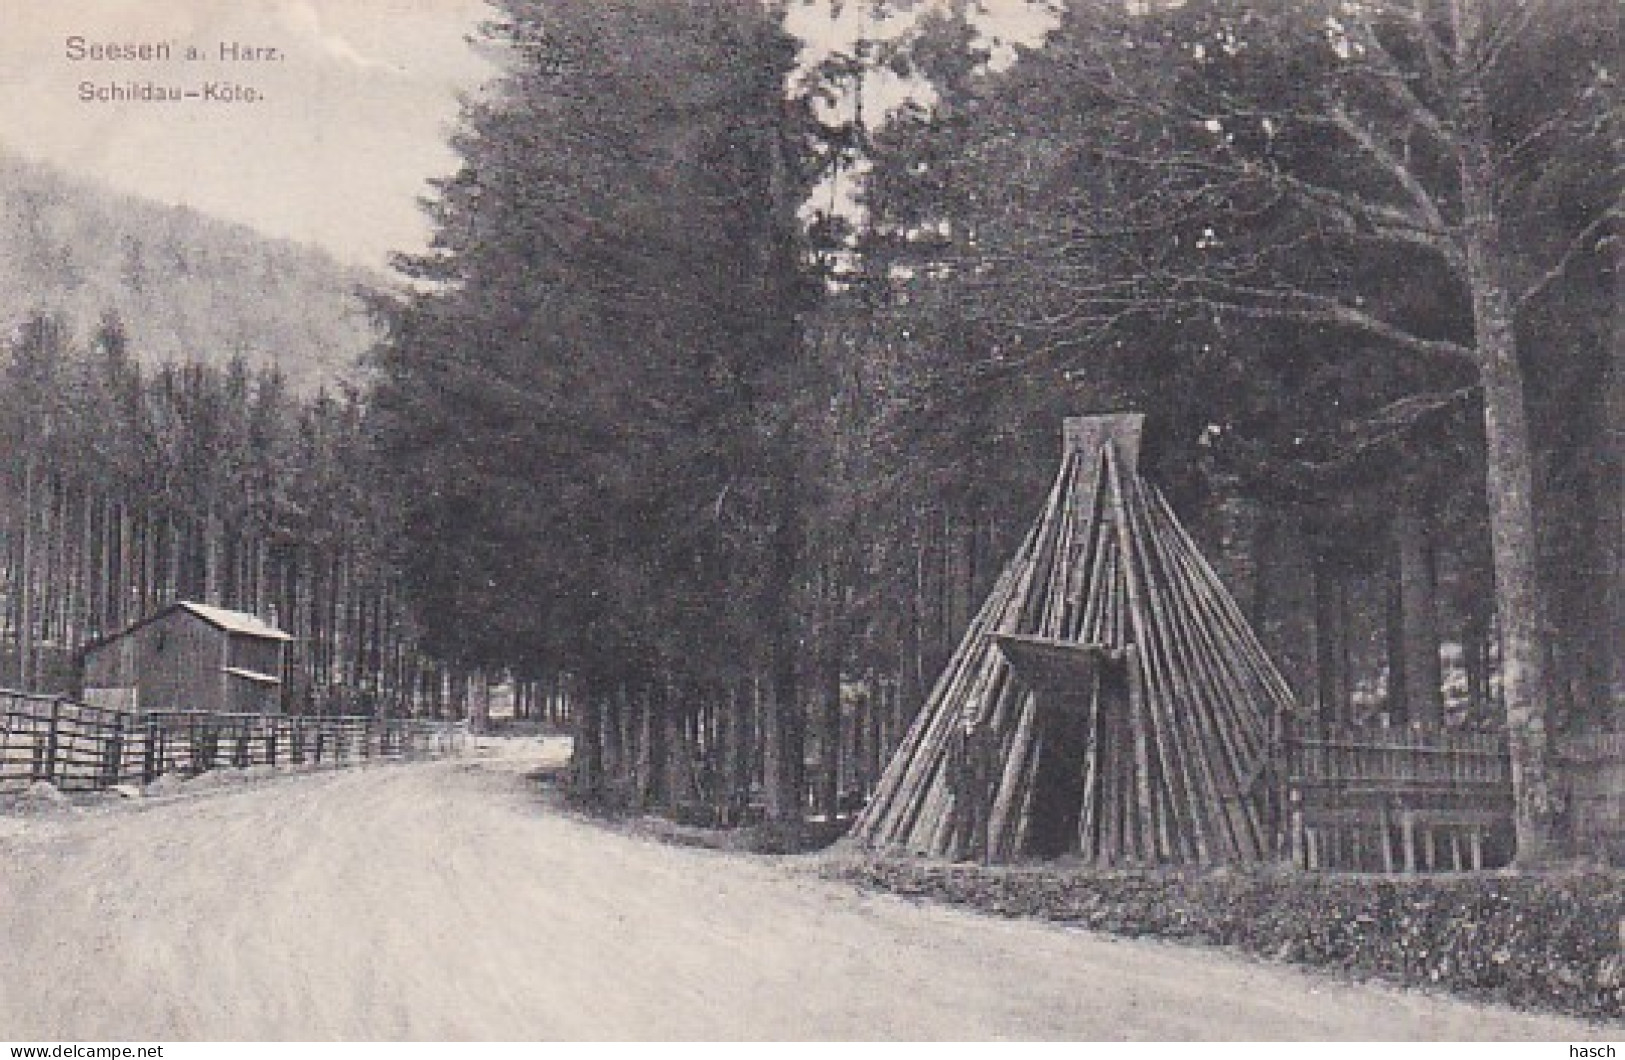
80, 748
1398, 800
1595, 765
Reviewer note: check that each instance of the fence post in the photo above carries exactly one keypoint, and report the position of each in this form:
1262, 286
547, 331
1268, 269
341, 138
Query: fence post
113, 755
48, 770
202, 745
149, 765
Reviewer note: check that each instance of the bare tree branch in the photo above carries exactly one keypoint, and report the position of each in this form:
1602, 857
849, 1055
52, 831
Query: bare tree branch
1402, 174
1396, 82
1583, 240
1500, 37
1312, 308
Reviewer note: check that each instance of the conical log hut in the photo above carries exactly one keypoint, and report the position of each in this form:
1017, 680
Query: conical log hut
1109, 701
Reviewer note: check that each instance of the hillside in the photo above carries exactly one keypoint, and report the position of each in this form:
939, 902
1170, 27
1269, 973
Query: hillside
188, 286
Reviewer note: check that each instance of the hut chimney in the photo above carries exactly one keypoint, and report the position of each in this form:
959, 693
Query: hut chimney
1087, 435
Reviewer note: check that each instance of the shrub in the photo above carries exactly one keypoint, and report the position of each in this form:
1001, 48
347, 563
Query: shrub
1537, 941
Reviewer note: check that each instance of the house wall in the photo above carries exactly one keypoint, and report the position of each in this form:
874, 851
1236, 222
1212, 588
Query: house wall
253, 697
112, 665
257, 654
177, 662
263, 657
180, 659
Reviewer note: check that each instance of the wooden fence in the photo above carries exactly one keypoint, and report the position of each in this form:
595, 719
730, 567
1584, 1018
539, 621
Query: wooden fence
1402, 800
1394, 800
82, 748
1595, 766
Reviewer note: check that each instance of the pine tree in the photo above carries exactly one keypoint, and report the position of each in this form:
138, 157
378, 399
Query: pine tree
590, 398
1377, 180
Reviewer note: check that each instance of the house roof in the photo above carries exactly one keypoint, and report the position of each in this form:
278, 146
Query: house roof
232, 621
240, 622
251, 675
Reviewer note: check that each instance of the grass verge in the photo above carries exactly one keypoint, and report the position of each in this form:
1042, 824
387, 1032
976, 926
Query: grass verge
1544, 941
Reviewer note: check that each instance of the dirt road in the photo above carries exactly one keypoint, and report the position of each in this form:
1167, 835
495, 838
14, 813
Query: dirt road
445, 901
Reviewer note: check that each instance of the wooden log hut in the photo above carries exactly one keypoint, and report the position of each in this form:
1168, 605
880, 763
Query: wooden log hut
1108, 702
189, 657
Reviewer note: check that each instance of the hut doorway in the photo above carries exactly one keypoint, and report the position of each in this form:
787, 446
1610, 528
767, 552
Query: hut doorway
1080, 702
1059, 780
1076, 727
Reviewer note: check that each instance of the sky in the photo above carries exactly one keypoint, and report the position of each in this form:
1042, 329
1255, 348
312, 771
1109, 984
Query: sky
350, 117
354, 117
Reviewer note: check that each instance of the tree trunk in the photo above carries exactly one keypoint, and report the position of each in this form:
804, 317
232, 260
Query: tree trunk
589, 745
80, 573
172, 569
1419, 619
741, 750
25, 608
785, 722
958, 576
1611, 524
1519, 603
1399, 698
615, 750
911, 683
1331, 640
1475, 656
212, 559
829, 737
652, 772
830, 652
785, 742
872, 713
1509, 473
479, 709
675, 744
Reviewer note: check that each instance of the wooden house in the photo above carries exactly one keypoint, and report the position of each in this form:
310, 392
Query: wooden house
189, 656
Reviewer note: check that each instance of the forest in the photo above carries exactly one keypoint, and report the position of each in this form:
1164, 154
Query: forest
131, 488
726, 387
186, 286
